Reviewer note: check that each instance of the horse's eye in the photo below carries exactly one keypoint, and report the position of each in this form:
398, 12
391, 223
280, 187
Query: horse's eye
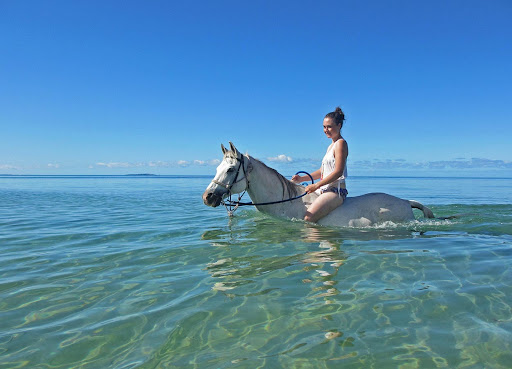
230, 170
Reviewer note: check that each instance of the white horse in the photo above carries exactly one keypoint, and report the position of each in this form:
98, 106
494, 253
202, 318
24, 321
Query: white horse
237, 173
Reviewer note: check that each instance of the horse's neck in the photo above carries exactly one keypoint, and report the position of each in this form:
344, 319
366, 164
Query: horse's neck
265, 185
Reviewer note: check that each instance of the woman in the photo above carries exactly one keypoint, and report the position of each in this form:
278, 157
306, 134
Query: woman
332, 173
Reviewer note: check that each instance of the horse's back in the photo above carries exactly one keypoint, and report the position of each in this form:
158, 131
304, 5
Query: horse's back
368, 209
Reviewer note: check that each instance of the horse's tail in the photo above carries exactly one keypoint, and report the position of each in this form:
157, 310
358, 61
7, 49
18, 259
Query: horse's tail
427, 213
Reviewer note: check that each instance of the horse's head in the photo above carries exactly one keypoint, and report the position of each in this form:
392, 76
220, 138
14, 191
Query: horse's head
231, 177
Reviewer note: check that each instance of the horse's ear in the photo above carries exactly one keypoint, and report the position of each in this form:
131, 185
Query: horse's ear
224, 150
233, 148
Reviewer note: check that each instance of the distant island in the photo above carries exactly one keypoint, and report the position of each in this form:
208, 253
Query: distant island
142, 175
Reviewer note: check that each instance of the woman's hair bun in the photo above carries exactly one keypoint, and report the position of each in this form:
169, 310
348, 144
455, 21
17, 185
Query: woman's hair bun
337, 116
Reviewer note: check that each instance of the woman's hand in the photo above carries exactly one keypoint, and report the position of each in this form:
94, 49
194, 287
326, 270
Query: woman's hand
312, 187
297, 178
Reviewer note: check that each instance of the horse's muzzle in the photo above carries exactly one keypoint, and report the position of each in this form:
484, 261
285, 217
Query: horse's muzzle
211, 199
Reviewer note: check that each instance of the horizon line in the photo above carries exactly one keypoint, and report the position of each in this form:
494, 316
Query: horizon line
150, 175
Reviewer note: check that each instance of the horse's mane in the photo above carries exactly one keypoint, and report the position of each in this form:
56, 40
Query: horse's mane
288, 186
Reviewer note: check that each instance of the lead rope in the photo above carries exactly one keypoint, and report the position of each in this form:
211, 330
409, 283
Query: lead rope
229, 206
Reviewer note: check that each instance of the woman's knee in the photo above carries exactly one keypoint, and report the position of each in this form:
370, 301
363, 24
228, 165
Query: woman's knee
310, 217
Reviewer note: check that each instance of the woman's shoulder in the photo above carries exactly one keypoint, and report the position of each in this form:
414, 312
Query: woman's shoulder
340, 142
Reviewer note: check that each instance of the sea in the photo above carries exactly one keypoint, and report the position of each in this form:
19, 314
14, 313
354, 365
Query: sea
136, 272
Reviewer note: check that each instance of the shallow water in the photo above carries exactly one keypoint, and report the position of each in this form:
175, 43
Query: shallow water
135, 272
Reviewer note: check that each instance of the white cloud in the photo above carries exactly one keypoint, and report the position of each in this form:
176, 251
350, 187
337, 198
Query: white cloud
281, 159
159, 163
214, 162
8, 167
117, 165
54, 166
459, 163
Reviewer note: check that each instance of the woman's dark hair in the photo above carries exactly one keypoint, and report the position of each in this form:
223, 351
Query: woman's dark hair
337, 116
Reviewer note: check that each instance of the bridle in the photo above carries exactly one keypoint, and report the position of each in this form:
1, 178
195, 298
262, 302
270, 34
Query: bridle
230, 185
231, 205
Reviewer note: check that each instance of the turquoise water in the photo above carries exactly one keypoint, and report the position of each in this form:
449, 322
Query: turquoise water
135, 272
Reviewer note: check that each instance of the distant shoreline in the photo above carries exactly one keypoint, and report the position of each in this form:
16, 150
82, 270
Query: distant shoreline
141, 175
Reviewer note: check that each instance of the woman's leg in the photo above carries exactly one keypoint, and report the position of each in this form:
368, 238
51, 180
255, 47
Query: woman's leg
323, 205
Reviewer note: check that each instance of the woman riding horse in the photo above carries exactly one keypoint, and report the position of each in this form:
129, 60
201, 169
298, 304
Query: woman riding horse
331, 187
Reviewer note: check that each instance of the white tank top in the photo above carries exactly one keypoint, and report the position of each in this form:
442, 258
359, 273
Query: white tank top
328, 166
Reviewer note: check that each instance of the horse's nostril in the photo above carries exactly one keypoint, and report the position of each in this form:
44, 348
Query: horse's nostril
211, 199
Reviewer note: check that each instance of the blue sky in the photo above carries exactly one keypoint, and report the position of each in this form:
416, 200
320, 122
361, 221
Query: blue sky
115, 87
